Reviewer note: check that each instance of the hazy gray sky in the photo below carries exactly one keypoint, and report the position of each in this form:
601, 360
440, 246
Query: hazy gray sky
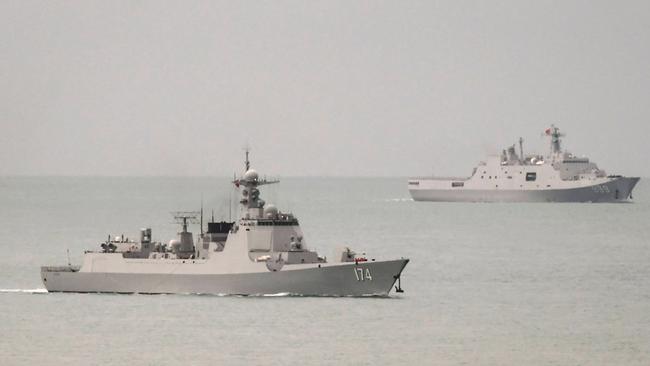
318, 88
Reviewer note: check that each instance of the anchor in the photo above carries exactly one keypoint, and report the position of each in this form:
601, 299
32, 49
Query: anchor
398, 288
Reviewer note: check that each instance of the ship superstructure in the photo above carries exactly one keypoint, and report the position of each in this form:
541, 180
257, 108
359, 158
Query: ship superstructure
263, 252
510, 177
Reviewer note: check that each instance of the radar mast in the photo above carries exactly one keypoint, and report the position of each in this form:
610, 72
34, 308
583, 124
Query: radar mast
185, 217
250, 195
556, 141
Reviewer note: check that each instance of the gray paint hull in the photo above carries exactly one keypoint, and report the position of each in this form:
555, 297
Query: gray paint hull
333, 280
618, 190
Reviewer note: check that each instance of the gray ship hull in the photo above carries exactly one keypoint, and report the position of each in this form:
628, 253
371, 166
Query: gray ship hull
347, 279
616, 190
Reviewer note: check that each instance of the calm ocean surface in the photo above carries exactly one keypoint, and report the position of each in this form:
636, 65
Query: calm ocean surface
488, 284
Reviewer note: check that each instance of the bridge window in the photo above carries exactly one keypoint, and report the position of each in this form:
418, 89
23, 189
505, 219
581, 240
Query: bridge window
531, 177
457, 184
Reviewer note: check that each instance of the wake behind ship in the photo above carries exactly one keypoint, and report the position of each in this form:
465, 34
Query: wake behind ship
511, 177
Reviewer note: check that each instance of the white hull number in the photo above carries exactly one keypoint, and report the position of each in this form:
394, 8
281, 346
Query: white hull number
603, 189
362, 275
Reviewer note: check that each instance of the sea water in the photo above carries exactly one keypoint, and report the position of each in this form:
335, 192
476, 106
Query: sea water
488, 284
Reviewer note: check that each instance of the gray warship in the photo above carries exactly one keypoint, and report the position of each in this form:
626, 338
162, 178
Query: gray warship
558, 177
262, 253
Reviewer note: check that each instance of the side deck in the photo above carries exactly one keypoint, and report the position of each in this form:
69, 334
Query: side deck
439, 178
343, 279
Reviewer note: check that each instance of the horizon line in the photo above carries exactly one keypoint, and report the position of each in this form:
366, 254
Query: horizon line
190, 176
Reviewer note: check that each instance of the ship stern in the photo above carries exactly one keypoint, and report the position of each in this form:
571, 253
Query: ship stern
58, 278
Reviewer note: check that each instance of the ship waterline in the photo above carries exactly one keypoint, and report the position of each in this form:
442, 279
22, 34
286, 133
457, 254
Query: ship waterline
351, 279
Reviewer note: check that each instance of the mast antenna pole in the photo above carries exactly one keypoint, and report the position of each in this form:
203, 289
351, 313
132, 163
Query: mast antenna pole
552, 131
201, 214
247, 162
521, 148
232, 189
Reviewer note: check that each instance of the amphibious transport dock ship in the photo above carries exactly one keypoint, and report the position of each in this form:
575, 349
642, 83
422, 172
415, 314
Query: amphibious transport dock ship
264, 252
558, 177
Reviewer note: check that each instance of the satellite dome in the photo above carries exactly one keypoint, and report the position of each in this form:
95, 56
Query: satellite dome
175, 245
251, 175
271, 211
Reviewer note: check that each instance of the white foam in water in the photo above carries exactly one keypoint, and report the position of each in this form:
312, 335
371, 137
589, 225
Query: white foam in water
26, 291
396, 200
279, 294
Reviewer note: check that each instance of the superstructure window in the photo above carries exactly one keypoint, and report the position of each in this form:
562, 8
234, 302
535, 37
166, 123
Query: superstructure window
531, 177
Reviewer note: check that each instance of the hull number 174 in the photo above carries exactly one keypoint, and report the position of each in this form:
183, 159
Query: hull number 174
362, 275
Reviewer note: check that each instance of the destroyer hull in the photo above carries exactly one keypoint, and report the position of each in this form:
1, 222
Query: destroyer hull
615, 190
349, 279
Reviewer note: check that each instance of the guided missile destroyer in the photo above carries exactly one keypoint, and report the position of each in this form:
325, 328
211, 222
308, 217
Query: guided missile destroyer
263, 252
558, 177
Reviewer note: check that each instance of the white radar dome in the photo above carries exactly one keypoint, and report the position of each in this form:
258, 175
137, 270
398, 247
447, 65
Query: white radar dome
250, 175
271, 211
